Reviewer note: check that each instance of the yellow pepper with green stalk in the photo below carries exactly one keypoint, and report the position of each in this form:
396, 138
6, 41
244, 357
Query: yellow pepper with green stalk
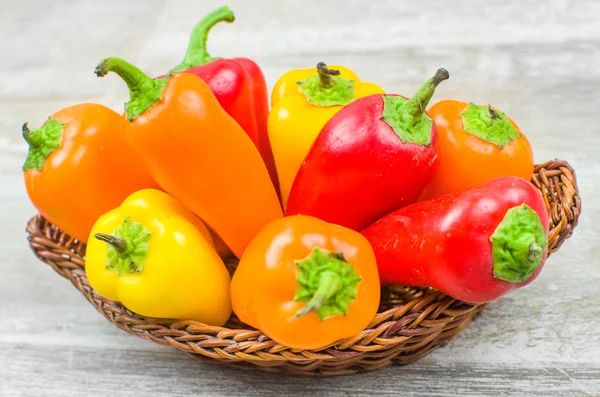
157, 258
302, 101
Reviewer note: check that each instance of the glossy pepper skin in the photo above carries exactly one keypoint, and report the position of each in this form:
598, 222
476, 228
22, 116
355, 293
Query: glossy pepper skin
477, 144
475, 245
79, 166
238, 84
302, 101
374, 156
306, 283
197, 152
157, 258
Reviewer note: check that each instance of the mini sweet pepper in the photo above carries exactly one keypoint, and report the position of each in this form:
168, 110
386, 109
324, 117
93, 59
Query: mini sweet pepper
477, 144
238, 84
306, 283
475, 245
157, 258
197, 152
374, 156
79, 166
302, 101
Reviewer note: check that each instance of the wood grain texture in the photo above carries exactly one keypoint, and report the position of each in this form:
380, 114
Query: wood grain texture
535, 60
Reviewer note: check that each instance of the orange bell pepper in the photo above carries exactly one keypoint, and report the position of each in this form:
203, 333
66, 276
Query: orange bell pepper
197, 152
306, 283
79, 166
476, 144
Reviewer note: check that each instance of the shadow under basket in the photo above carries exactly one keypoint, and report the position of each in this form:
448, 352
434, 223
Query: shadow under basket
411, 322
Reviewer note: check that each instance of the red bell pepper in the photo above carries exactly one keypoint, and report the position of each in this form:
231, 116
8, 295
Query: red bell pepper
238, 84
475, 245
374, 156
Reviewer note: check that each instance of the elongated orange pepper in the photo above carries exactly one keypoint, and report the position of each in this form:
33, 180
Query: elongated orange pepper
197, 152
79, 166
306, 283
476, 144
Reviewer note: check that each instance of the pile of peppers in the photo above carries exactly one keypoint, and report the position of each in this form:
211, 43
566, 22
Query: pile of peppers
328, 192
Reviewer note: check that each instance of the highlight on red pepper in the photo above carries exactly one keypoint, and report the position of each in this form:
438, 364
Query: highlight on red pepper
477, 144
306, 283
475, 245
374, 156
238, 84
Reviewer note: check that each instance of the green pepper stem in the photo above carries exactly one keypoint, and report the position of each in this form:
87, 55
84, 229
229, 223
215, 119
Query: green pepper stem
493, 113
118, 243
137, 81
143, 90
329, 284
196, 53
28, 136
325, 75
42, 142
416, 105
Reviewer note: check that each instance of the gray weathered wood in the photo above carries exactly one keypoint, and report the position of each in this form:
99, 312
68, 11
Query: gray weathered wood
535, 60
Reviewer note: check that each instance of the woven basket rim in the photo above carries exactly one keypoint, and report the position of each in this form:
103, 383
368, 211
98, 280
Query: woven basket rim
410, 324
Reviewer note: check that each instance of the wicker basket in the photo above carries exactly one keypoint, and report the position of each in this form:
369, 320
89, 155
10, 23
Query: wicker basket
411, 322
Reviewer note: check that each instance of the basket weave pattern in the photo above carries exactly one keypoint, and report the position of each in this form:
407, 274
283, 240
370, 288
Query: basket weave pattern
411, 322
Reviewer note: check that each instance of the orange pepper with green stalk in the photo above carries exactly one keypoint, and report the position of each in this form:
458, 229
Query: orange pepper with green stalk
197, 152
302, 101
79, 166
476, 144
306, 283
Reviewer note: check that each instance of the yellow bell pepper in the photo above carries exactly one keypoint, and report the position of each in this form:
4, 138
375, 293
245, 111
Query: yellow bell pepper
302, 101
157, 258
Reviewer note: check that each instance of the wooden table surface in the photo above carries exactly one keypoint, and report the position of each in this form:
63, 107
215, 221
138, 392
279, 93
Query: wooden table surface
538, 61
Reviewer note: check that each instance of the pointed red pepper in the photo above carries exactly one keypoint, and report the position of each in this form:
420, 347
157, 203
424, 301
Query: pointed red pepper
238, 84
374, 156
475, 245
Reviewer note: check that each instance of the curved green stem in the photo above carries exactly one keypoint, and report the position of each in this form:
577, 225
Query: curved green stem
42, 142
327, 88
128, 247
326, 283
118, 243
196, 53
29, 136
325, 75
416, 105
137, 81
405, 116
143, 90
329, 284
